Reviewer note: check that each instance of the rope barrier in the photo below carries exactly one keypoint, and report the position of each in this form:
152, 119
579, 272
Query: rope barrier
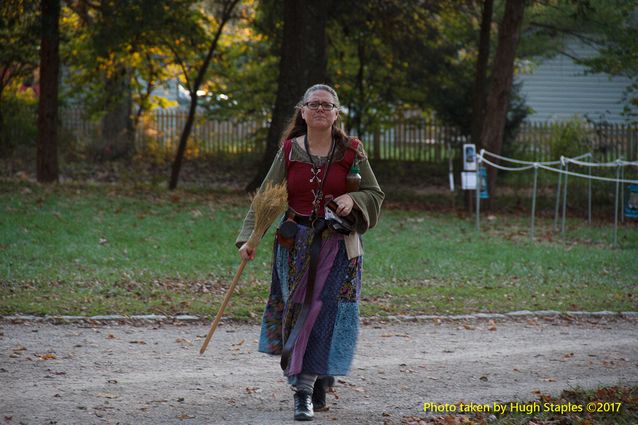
501, 167
617, 163
516, 161
542, 165
587, 176
564, 165
519, 161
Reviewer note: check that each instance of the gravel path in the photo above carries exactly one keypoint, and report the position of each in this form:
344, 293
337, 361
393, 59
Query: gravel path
108, 374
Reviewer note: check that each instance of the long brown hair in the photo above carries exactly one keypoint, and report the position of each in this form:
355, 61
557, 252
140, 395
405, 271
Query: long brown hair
298, 127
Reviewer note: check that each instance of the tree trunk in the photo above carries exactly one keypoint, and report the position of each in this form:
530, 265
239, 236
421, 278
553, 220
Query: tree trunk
117, 125
181, 148
47, 142
4, 141
480, 85
360, 90
480, 78
501, 83
303, 62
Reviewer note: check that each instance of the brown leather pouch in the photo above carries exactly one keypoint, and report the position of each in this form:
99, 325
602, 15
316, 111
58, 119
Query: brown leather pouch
286, 233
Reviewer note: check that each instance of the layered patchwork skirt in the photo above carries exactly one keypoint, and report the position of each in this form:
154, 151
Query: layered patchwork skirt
326, 343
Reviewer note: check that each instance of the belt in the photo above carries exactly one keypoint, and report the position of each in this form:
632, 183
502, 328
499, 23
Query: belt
303, 220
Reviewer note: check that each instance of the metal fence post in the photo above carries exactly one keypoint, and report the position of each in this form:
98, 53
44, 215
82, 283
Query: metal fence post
562, 229
615, 244
558, 190
531, 232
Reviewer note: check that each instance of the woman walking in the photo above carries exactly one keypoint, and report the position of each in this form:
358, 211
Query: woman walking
312, 314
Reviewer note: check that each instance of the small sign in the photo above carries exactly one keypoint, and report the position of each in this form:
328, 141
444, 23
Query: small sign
469, 157
468, 180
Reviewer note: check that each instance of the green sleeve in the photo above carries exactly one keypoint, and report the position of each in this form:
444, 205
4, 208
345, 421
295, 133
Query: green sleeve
276, 175
368, 198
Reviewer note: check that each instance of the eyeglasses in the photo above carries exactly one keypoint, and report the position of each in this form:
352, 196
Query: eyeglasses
314, 106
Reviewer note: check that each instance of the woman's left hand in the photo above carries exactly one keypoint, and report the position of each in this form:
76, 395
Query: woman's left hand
345, 204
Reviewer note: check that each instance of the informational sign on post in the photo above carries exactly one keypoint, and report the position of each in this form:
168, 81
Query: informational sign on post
468, 176
468, 180
469, 157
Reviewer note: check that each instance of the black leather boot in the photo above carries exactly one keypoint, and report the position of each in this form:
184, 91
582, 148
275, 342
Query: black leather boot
319, 392
303, 406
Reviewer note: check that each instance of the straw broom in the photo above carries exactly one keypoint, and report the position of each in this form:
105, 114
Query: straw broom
267, 205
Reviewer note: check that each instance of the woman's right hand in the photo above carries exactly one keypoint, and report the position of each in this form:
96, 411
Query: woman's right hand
246, 253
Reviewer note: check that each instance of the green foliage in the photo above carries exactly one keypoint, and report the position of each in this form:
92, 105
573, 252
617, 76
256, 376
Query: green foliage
19, 115
391, 56
246, 61
20, 34
569, 139
114, 47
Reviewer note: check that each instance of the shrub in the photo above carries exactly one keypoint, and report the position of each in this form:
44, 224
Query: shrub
19, 115
570, 139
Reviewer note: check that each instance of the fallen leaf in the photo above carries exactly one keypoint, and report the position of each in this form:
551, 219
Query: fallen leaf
388, 335
46, 356
184, 416
107, 395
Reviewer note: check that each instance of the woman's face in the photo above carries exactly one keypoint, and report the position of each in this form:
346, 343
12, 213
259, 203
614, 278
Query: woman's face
319, 118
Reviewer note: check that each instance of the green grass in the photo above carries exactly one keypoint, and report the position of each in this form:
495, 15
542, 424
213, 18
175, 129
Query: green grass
99, 249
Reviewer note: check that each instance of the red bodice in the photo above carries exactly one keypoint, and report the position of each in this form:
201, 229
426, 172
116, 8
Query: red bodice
302, 182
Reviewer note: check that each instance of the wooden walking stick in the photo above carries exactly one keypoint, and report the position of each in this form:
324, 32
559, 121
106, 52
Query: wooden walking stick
267, 205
